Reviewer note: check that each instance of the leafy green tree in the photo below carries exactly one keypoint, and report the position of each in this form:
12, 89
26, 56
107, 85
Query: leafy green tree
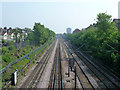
104, 21
41, 34
37, 33
28, 29
101, 41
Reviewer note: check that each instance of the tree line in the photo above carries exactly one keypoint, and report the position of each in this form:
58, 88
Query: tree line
18, 47
101, 40
40, 34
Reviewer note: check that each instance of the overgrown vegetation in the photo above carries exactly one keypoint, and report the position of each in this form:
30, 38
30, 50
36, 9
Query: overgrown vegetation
101, 41
20, 64
36, 38
10, 51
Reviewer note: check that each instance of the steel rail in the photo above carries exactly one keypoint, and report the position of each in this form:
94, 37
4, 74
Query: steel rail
30, 80
112, 80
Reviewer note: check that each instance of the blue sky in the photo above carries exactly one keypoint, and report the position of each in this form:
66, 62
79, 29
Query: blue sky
55, 15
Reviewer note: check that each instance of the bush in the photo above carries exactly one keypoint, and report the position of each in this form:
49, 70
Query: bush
6, 58
18, 55
4, 50
12, 47
4, 42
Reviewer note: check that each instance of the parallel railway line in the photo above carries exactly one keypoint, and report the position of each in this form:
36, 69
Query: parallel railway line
89, 74
110, 81
56, 73
83, 79
99, 75
33, 79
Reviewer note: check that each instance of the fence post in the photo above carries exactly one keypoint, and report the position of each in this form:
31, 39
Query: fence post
14, 77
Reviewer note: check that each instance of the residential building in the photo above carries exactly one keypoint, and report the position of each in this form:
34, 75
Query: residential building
76, 30
8, 34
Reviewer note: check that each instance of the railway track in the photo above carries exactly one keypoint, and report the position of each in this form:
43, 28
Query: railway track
97, 69
33, 79
56, 73
83, 79
106, 80
89, 74
97, 76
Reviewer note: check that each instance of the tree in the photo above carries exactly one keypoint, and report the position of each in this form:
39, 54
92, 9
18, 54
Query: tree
36, 33
104, 21
16, 32
18, 35
101, 40
41, 34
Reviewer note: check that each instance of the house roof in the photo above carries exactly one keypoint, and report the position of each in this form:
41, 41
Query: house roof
76, 30
9, 31
3, 31
116, 20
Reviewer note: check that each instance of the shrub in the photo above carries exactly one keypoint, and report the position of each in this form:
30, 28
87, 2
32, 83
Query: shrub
4, 42
6, 58
18, 55
11, 47
4, 50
